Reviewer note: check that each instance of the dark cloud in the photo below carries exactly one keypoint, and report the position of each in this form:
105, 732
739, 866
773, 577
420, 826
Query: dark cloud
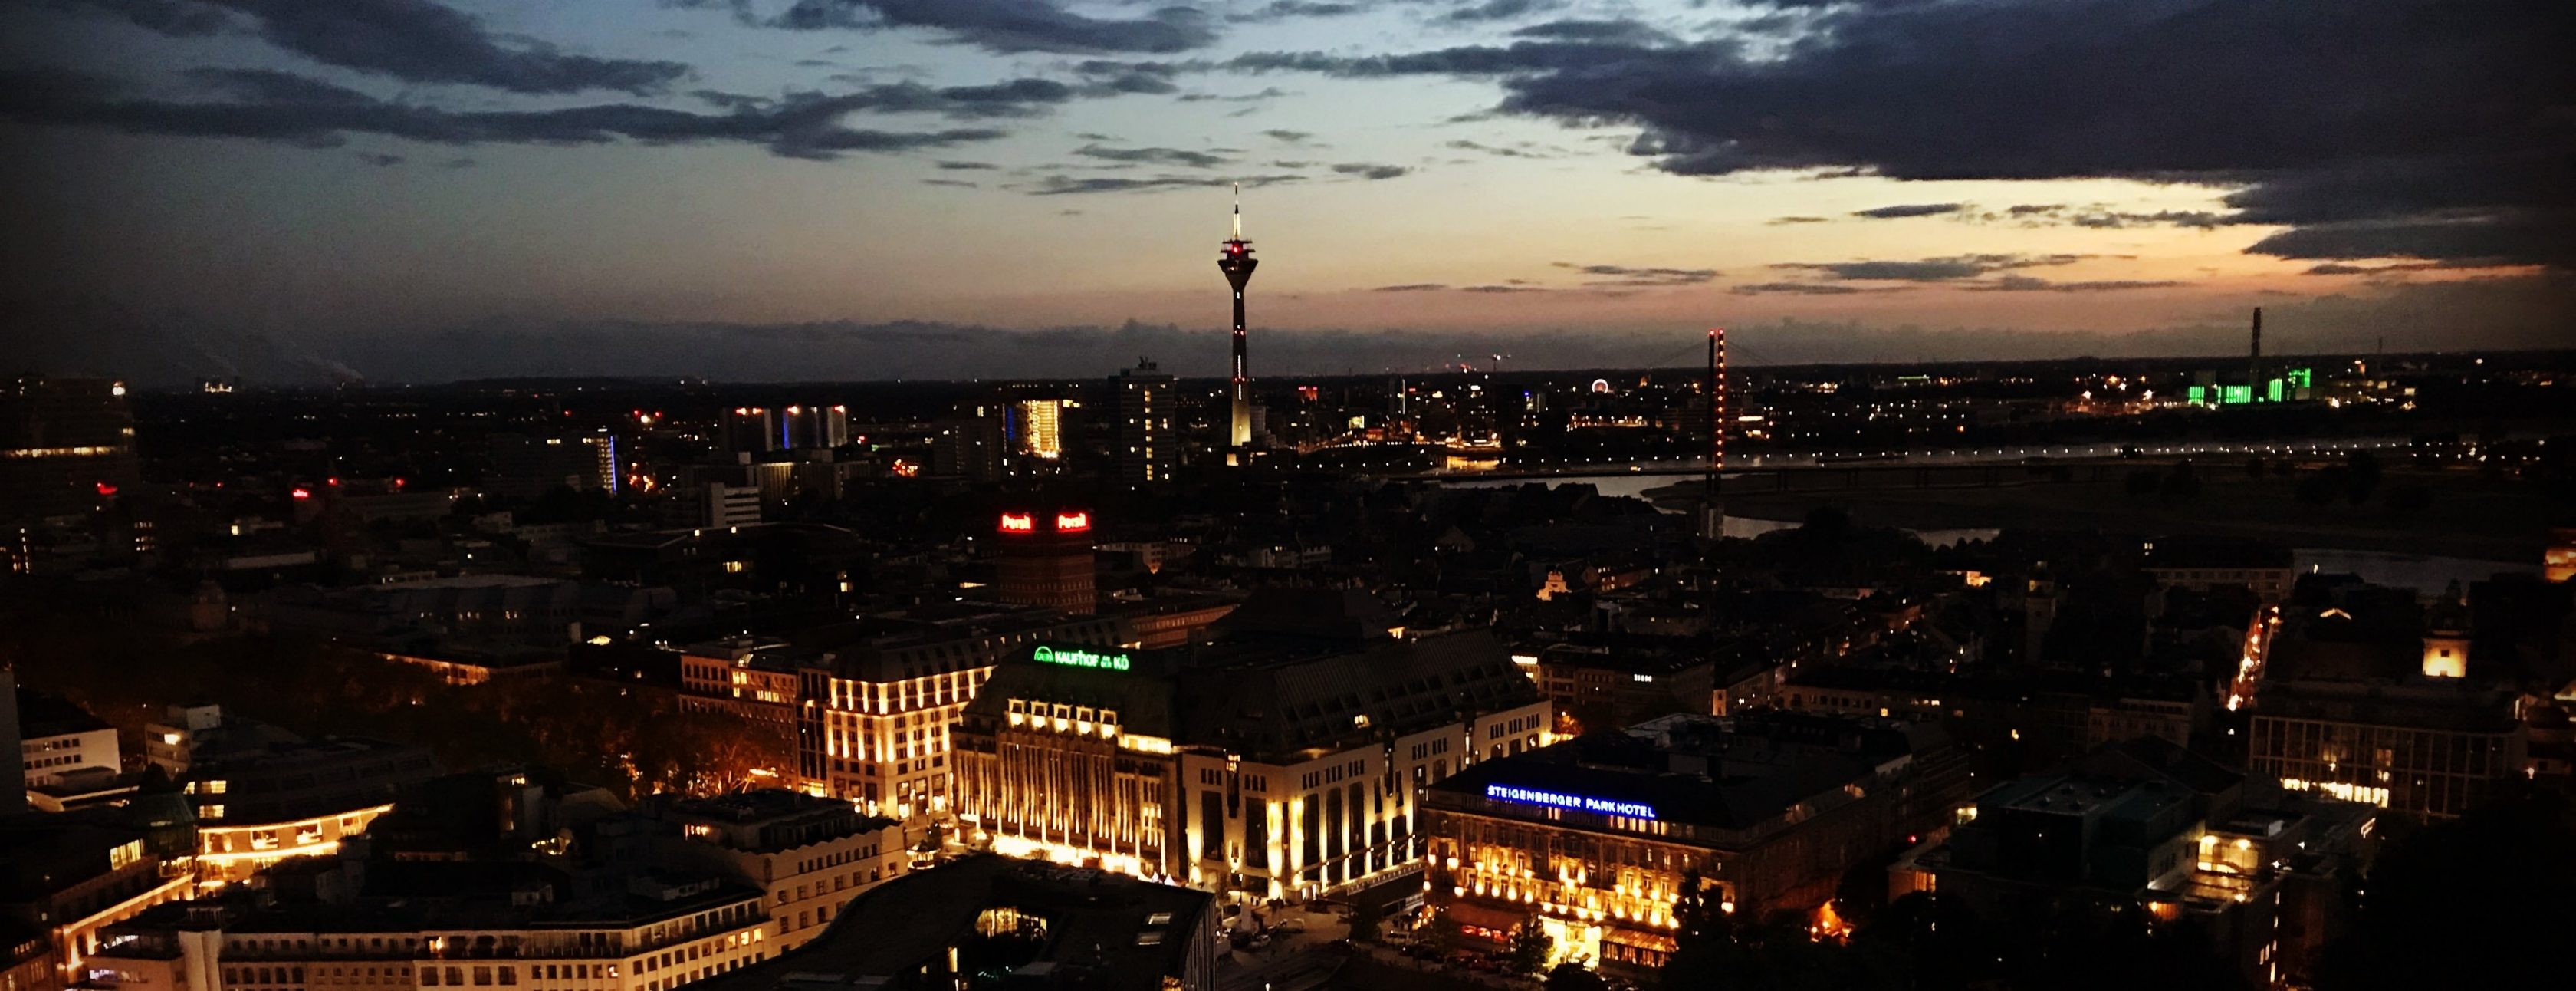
1630, 276
958, 183
1367, 170
1109, 77
1290, 137
1281, 10
1909, 210
2429, 129
1509, 287
1776, 221
276, 107
2104, 217
1927, 270
1056, 185
1799, 288
2024, 283
1499, 10
1598, 32
1412, 287
1496, 150
1012, 98
381, 160
1930, 269
968, 166
1154, 156
996, 25
412, 40
1257, 96
179, 18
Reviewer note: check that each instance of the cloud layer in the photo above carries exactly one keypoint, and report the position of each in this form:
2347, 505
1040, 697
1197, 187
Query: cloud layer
2429, 129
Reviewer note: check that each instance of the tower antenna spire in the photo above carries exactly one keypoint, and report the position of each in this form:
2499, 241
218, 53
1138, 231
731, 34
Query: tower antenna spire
1238, 211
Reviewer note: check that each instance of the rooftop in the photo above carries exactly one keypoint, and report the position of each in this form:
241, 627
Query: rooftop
1100, 930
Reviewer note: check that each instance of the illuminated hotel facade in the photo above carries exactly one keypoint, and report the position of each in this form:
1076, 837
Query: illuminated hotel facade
873, 711
1267, 763
1597, 835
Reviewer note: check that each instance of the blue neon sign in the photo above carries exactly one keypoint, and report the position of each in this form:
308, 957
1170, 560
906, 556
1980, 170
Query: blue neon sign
1579, 803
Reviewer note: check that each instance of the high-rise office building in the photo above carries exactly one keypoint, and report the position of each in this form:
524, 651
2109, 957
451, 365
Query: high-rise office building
751, 430
66, 444
1237, 263
816, 426
1037, 428
969, 445
528, 467
1146, 443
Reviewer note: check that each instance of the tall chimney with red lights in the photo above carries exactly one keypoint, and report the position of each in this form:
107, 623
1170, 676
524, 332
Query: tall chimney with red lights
1712, 523
1045, 559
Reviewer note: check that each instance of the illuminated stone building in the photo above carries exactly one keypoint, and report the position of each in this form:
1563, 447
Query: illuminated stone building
875, 699
1285, 758
811, 855
649, 934
1595, 835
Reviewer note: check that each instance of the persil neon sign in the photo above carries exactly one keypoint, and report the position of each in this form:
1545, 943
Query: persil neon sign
1073, 521
1073, 657
1532, 796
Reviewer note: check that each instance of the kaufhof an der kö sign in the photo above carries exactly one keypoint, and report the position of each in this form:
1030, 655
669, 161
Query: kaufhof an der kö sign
1077, 658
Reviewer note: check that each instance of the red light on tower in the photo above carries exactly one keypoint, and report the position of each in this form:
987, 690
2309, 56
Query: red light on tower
1072, 522
1019, 523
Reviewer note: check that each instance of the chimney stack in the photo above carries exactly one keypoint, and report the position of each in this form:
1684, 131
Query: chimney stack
2254, 366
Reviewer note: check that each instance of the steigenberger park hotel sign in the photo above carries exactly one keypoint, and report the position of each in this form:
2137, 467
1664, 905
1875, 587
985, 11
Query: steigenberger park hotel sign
1579, 803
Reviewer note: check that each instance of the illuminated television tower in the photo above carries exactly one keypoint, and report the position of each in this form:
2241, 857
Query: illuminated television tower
1236, 262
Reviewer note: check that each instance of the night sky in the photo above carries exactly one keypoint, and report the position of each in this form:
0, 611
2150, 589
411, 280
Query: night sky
420, 190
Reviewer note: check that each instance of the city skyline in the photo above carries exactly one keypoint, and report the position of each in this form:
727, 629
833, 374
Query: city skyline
421, 190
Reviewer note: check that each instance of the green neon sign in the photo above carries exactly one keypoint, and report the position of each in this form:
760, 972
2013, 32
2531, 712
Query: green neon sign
1077, 658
